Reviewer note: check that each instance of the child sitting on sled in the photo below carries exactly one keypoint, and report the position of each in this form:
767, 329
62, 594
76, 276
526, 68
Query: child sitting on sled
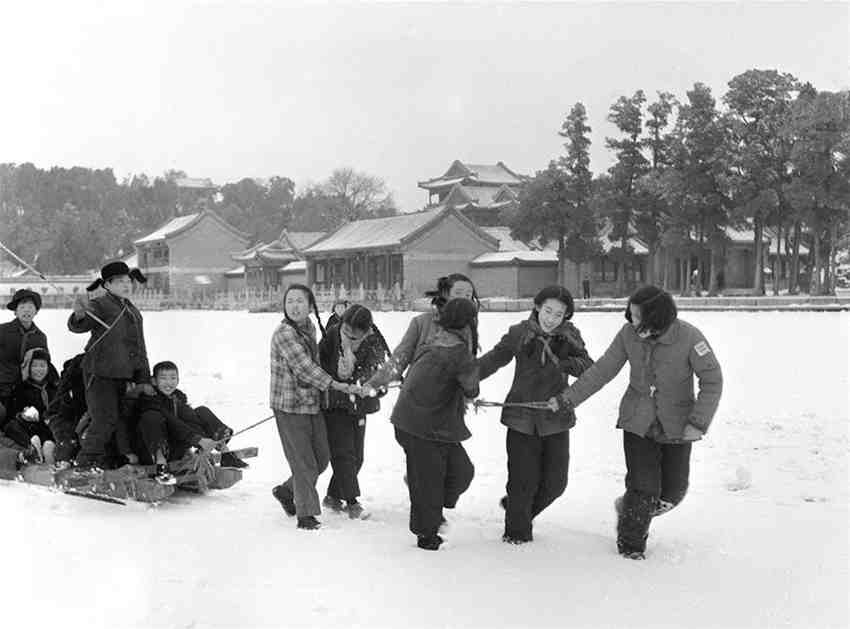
31, 402
168, 426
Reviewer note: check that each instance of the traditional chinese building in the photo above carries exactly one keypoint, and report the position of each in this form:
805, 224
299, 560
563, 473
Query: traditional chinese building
189, 253
480, 191
277, 263
405, 252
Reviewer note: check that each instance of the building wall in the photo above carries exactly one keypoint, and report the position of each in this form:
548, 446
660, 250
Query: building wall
202, 252
532, 278
235, 284
495, 281
447, 248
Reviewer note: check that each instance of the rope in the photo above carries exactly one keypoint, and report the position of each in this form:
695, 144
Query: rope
544, 406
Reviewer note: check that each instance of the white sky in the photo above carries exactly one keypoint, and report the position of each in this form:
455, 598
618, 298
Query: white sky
226, 90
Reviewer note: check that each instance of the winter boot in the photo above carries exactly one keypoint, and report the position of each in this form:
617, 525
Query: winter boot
35, 440
309, 523
356, 511
637, 555
334, 504
163, 476
429, 542
284, 496
228, 459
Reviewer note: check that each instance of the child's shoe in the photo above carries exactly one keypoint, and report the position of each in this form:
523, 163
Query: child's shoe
228, 459
356, 511
285, 498
334, 504
429, 542
163, 476
309, 523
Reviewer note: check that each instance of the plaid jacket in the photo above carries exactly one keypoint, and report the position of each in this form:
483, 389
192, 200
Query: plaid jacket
296, 378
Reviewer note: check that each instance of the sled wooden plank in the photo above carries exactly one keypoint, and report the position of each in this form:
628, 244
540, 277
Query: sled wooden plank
226, 477
243, 453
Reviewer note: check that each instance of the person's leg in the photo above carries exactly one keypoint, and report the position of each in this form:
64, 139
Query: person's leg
459, 474
103, 400
153, 435
296, 437
524, 463
212, 426
675, 472
343, 455
554, 470
426, 469
643, 486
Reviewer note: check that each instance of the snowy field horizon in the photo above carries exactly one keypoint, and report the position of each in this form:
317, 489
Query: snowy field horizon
761, 540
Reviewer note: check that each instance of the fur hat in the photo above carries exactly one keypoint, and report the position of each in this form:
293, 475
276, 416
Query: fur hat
24, 294
116, 269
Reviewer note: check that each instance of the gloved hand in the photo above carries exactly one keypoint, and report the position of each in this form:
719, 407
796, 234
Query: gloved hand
691, 433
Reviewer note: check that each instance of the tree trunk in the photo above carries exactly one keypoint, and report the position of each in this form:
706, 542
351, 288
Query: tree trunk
666, 262
712, 271
793, 281
758, 229
777, 264
650, 264
562, 254
686, 278
816, 267
830, 261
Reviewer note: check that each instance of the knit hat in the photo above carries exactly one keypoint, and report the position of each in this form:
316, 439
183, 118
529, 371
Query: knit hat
24, 294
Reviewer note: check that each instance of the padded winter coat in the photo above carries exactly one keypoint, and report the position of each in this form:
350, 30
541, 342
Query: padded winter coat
14, 343
369, 356
120, 352
539, 374
421, 330
431, 403
660, 382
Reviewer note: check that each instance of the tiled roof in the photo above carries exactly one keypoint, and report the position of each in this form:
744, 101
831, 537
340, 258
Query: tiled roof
181, 223
392, 231
176, 224
498, 174
235, 272
506, 242
516, 257
301, 240
374, 233
298, 266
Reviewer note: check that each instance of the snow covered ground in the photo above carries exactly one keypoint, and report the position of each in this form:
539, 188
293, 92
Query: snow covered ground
760, 541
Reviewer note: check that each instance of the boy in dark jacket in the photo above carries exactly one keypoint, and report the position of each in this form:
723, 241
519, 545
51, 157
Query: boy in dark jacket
547, 349
350, 352
428, 420
168, 426
17, 337
115, 360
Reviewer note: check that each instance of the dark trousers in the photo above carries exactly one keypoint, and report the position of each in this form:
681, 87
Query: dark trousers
346, 437
537, 474
654, 472
103, 398
305, 444
437, 475
211, 426
585, 288
21, 431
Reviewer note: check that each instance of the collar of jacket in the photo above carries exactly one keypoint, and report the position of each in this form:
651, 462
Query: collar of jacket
668, 337
450, 338
33, 327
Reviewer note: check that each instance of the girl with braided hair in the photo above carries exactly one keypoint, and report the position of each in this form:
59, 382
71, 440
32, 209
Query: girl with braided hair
547, 349
350, 352
297, 382
424, 327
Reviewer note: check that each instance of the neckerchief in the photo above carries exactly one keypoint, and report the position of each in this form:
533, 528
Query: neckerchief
563, 331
